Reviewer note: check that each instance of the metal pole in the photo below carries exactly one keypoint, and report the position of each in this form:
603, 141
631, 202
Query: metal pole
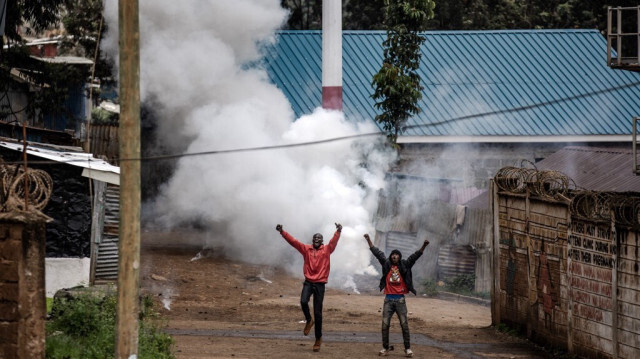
634, 145
129, 247
495, 260
87, 145
609, 35
26, 169
619, 32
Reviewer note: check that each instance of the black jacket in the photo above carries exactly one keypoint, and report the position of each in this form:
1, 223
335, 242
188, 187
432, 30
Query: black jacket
404, 266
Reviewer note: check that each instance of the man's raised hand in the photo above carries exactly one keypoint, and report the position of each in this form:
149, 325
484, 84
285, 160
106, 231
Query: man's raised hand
338, 227
366, 236
424, 245
279, 228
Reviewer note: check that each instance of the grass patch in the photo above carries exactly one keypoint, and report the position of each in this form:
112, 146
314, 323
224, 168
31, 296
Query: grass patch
49, 304
84, 327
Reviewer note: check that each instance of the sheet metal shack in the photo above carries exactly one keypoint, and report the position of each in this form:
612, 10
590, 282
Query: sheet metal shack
567, 261
103, 219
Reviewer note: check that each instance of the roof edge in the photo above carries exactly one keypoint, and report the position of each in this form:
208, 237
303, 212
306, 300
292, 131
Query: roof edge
451, 32
514, 139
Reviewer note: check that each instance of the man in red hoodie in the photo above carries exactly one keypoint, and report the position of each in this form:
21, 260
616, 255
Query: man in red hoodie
316, 274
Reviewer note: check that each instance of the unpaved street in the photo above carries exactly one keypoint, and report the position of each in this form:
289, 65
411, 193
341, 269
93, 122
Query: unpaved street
216, 308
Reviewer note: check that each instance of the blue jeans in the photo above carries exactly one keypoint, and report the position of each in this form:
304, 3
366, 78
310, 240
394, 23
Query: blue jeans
398, 306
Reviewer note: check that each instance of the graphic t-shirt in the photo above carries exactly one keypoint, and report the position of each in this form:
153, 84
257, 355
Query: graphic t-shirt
395, 283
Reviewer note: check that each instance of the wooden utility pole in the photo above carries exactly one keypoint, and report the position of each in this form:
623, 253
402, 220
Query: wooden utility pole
129, 248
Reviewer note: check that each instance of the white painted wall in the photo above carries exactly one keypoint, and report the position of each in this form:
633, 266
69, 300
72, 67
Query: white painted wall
62, 273
331, 43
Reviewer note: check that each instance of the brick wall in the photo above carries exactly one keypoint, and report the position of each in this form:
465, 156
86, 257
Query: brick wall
570, 281
22, 297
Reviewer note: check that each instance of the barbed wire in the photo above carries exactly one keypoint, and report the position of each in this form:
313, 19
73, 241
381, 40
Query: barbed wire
598, 206
37, 188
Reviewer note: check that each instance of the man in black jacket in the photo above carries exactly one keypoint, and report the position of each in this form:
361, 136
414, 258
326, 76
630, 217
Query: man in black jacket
396, 281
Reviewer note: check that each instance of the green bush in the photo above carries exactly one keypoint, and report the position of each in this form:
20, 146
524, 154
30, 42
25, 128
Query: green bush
49, 304
84, 327
462, 284
100, 116
430, 288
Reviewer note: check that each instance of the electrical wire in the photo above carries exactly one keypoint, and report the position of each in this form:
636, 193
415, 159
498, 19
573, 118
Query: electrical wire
362, 135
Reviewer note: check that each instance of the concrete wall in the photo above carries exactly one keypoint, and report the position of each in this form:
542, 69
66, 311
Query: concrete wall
475, 163
22, 299
63, 273
570, 281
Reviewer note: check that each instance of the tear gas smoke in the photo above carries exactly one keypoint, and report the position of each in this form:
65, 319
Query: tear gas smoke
194, 58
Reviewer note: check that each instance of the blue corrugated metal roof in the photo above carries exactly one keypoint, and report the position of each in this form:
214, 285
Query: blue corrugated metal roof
476, 72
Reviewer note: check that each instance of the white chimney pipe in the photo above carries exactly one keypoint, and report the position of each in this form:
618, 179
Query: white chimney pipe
332, 54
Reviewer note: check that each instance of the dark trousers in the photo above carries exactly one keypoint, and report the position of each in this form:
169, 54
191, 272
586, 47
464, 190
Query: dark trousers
398, 306
317, 290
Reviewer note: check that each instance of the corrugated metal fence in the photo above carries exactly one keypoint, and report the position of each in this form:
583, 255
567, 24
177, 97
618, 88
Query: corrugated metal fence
104, 142
105, 232
476, 233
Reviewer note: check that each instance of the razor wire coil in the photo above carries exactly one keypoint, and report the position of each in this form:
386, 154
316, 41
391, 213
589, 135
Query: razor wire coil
36, 187
548, 184
585, 204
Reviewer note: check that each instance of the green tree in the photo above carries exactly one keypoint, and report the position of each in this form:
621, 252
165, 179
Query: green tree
356, 14
363, 15
84, 26
397, 88
32, 16
21, 73
303, 14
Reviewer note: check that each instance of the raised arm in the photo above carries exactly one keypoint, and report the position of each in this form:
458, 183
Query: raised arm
380, 256
366, 236
424, 245
414, 257
289, 238
336, 236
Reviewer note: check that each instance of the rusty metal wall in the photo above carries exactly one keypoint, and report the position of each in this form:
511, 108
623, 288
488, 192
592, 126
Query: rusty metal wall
104, 142
558, 278
476, 232
455, 260
106, 267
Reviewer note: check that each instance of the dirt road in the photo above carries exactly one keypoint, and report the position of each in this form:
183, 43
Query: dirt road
216, 308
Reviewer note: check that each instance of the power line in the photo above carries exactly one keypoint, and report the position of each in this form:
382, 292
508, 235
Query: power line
361, 135
455, 119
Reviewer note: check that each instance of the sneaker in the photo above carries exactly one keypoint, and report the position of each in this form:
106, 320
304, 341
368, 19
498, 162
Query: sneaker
384, 352
316, 346
408, 353
307, 327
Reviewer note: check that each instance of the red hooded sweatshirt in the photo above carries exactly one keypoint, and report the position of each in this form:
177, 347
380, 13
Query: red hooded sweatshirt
316, 261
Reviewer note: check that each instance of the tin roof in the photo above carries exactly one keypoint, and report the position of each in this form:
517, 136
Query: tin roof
558, 79
92, 167
597, 169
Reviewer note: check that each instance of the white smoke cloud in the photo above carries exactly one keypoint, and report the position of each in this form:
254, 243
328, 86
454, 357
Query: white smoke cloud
193, 57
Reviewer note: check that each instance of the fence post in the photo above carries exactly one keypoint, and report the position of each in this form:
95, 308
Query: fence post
22, 287
495, 270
